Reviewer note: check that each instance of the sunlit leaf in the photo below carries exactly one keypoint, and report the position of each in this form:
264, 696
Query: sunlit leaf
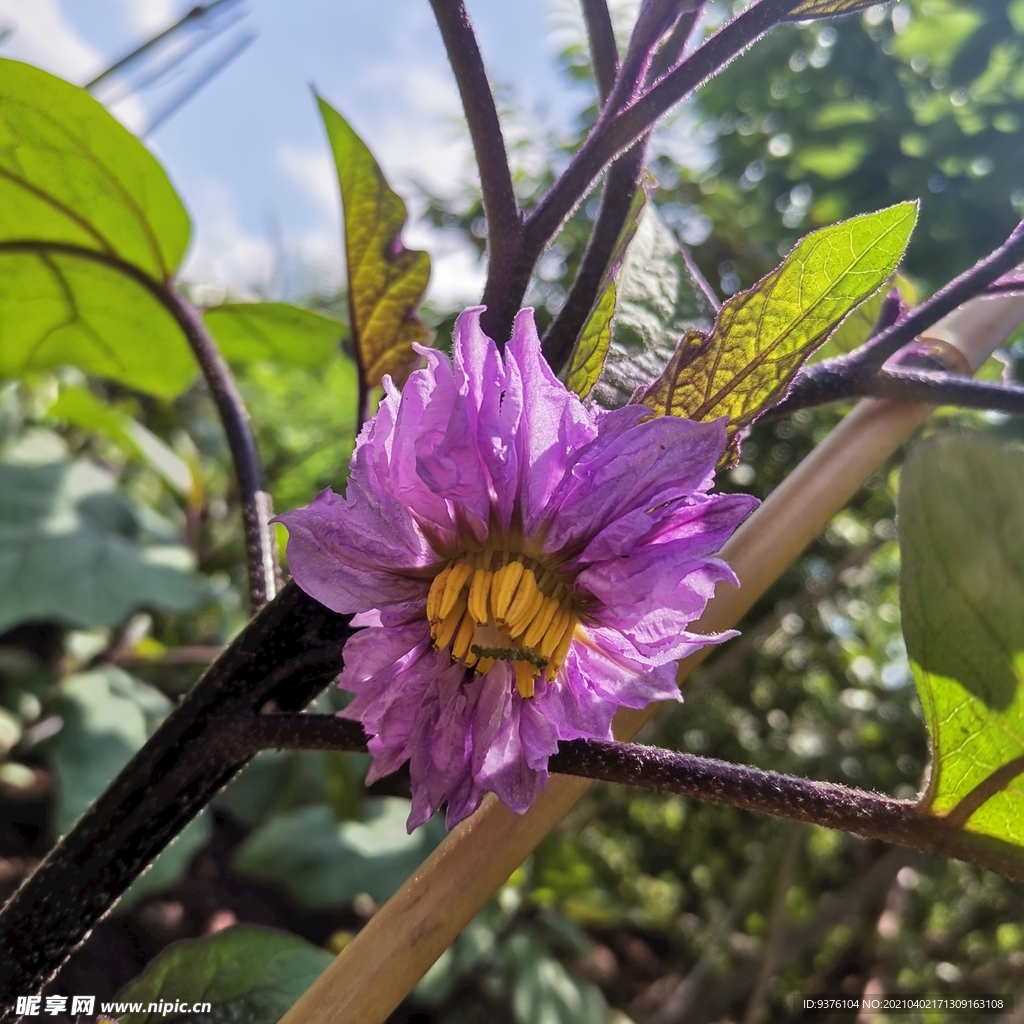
762, 336
962, 598
81, 408
84, 209
591, 348
386, 281
70, 551
273, 331
71, 173
58, 309
656, 302
828, 8
246, 973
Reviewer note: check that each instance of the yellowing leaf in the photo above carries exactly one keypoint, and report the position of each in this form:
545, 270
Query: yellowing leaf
763, 336
386, 281
828, 8
962, 600
591, 348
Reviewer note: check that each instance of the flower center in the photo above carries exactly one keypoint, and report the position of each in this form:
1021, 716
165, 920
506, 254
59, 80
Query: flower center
499, 605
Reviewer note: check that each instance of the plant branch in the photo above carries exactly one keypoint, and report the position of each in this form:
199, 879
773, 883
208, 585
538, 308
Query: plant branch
260, 549
945, 389
261, 562
504, 222
620, 129
969, 284
286, 655
604, 54
863, 813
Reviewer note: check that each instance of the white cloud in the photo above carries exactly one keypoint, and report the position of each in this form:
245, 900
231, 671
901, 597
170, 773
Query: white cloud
148, 17
224, 252
44, 37
313, 171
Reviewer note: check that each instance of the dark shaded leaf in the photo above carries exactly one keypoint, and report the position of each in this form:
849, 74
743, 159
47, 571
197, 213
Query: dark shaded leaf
249, 975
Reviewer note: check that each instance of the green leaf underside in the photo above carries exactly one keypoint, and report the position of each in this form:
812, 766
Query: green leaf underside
250, 975
81, 408
386, 281
324, 863
69, 551
58, 309
762, 336
656, 302
860, 324
275, 331
962, 600
591, 348
71, 173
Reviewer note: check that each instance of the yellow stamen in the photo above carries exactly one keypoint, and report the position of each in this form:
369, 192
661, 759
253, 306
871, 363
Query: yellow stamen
525, 674
554, 633
560, 652
463, 638
436, 593
446, 627
479, 591
540, 623
456, 581
528, 602
506, 579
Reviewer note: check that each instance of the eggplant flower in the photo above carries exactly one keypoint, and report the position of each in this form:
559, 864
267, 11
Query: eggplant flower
523, 566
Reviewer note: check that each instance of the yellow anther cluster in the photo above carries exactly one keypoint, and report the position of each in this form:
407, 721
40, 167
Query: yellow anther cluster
499, 604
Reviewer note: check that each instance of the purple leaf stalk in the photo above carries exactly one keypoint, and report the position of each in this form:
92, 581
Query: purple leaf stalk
522, 565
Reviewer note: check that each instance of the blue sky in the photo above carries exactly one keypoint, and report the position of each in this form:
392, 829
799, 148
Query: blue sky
248, 153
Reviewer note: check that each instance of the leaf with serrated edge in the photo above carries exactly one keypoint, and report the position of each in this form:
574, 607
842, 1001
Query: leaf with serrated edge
591, 348
386, 281
762, 336
828, 8
656, 302
962, 603
274, 331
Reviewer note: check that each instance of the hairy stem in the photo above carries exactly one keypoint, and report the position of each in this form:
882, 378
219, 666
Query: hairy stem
257, 508
604, 54
504, 223
287, 654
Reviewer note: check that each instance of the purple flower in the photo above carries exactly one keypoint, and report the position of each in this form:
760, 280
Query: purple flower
523, 566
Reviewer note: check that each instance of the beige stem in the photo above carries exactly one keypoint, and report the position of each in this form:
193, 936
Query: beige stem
388, 957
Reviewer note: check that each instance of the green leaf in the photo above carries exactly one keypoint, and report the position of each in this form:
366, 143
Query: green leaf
828, 8
591, 348
386, 281
275, 332
248, 974
71, 173
80, 195
764, 335
656, 302
108, 715
70, 551
58, 309
962, 600
860, 324
81, 408
323, 863
543, 991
